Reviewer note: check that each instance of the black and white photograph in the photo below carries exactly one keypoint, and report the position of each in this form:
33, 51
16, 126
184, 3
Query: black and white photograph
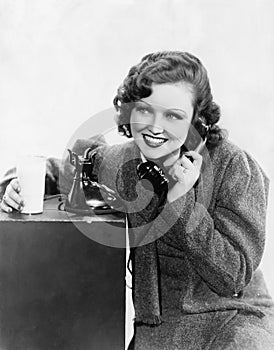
136, 175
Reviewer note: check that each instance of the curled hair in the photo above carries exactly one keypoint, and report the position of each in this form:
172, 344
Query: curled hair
169, 67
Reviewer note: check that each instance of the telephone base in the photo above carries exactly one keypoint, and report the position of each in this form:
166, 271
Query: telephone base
91, 211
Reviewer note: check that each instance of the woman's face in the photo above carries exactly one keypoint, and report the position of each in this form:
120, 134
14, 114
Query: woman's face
160, 123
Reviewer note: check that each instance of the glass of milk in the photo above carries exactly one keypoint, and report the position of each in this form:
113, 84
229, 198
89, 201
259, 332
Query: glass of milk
31, 172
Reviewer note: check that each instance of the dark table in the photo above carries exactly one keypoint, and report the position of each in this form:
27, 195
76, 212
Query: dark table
60, 287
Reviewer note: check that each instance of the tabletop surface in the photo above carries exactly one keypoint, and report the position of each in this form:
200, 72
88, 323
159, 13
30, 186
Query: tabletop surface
54, 211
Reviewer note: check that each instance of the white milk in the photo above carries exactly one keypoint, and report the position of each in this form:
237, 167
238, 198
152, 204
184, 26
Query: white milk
31, 171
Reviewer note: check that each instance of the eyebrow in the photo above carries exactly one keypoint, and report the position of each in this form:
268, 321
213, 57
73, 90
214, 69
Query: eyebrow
169, 109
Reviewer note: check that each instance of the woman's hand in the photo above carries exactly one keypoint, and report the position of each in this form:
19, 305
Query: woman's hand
185, 172
12, 198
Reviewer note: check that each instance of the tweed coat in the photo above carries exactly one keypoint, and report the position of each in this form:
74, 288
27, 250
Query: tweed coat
208, 246
206, 249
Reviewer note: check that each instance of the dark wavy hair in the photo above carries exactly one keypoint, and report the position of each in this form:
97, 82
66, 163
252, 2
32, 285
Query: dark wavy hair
169, 67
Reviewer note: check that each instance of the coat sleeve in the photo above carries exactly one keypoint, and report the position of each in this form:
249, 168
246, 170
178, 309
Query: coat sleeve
224, 246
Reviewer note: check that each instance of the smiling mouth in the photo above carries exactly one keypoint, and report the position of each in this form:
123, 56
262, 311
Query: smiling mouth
154, 141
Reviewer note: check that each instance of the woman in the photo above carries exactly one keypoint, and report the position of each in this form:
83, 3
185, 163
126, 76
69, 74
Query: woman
196, 249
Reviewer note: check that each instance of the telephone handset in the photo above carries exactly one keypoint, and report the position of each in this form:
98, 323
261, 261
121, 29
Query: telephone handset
196, 140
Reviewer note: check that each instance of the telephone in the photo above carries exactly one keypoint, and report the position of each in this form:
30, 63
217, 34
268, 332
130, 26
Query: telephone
85, 196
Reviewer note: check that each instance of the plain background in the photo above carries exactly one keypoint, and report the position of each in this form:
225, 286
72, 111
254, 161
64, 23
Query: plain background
62, 61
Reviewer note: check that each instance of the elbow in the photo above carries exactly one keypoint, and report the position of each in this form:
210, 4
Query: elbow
228, 288
234, 281
231, 285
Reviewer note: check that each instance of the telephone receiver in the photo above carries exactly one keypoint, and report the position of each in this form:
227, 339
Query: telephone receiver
195, 140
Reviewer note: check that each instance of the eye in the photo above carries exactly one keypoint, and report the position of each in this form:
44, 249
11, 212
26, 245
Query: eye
174, 116
142, 109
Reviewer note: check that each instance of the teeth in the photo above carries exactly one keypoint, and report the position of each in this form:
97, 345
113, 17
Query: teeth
155, 140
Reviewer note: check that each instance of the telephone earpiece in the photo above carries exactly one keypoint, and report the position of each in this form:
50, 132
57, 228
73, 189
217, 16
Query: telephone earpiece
201, 127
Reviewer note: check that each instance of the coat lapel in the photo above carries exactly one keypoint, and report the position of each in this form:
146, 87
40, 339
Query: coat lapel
140, 202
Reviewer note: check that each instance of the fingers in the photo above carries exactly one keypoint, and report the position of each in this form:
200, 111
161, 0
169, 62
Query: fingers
4, 207
177, 172
185, 167
185, 162
173, 159
197, 158
12, 198
15, 185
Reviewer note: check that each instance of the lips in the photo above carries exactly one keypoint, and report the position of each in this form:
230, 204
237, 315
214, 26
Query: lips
153, 141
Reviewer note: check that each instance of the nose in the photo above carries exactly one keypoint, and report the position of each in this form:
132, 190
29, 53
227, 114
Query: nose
156, 126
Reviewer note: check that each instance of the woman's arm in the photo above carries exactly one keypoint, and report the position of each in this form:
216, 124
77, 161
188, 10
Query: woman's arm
59, 173
226, 245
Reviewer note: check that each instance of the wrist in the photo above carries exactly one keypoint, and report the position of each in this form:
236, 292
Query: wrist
177, 191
